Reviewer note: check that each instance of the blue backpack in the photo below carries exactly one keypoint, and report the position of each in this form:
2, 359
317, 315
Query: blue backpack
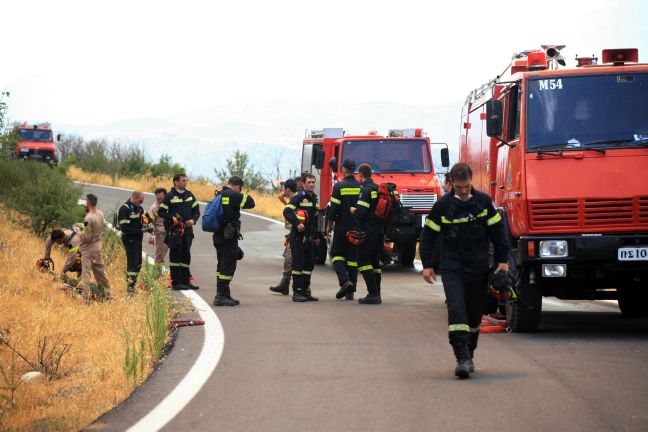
211, 221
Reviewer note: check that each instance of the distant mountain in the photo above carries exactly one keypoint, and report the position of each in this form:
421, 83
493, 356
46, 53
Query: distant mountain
202, 140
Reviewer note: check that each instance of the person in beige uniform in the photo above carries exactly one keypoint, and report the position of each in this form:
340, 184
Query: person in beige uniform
161, 247
90, 248
68, 237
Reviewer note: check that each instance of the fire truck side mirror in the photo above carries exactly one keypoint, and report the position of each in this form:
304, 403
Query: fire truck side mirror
494, 118
58, 137
318, 159
445, 157
333, 164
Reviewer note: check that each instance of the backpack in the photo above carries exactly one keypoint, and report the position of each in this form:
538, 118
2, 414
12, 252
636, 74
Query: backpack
212, 219
389, 203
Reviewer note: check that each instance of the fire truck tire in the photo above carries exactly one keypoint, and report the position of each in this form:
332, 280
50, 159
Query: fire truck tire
407, 252
523, 315
633, 303
321, 251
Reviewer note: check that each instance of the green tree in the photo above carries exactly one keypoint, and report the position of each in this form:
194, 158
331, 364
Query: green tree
8, 138
239, 165
166, 167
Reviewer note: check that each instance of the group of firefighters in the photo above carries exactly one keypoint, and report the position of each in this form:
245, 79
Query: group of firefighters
459, 227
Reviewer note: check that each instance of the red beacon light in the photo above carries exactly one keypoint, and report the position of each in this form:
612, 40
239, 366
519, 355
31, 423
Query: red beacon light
418, 133
537, 60
620, 56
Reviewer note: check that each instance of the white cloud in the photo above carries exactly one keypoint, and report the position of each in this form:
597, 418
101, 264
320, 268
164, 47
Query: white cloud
85, 62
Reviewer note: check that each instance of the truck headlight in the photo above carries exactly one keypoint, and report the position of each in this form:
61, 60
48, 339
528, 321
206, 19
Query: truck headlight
554, 270
553, 248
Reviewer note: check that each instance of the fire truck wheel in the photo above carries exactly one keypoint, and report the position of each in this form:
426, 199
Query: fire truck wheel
633, 303
407, 252
321, 250
524, 314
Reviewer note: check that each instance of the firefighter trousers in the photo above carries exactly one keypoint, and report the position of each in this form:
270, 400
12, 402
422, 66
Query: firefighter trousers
227, 253
180, 259
344, 257
133, 248
303, 261
369, 259
466, 297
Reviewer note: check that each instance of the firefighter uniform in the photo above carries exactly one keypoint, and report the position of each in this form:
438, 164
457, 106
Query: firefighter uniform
161, 247
466, 228
369, 251
71, 242
226, 242
131, 222
183, 205
301, 243
91, 259
344, 255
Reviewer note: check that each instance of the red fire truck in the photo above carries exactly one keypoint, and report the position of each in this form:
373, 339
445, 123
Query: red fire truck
36, 142
403, 158
563, 151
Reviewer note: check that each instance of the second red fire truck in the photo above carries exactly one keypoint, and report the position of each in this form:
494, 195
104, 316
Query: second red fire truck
402, 157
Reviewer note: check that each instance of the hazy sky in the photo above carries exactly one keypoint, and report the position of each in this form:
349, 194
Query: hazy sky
88, 62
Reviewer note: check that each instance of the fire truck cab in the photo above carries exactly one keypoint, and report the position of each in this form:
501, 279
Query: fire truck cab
36, 142
402, 157
563, 152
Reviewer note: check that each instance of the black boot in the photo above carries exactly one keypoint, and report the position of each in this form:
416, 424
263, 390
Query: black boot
369, 299
282, 287
346, 289
307, 294
298, 295
462, 353
229, 296
222, 298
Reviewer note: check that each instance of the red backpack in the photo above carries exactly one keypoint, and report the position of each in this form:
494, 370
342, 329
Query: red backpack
388, 202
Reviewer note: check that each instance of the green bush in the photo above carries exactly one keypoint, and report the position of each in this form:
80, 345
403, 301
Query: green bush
40, 192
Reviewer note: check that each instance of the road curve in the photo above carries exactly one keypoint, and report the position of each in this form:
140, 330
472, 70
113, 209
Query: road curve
336, 365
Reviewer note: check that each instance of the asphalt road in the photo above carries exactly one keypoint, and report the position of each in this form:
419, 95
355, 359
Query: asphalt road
339, 366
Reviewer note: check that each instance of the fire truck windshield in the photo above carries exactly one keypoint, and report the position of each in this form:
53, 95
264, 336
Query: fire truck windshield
35, 135
390, 155
574, 112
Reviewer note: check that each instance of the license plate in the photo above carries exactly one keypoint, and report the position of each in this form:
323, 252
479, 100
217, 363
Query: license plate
633, 254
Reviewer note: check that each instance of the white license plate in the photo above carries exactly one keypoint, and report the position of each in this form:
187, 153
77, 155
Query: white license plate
633, 254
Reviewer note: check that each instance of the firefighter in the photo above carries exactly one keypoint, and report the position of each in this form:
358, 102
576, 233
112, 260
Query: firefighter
283, 287
369, 250
226, 239
133, 222
90, 248
467, 220
157, 240
69, 238
179, 209
301, 213
344, 255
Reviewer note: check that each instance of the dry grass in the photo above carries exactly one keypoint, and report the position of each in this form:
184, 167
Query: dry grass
32, 306
266, 204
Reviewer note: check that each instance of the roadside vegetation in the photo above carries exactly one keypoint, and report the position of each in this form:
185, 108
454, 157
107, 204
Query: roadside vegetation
65, 361
267, 203
79, 347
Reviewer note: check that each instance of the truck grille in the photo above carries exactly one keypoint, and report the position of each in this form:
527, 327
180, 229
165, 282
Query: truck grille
418, 202
41, 154
588, 213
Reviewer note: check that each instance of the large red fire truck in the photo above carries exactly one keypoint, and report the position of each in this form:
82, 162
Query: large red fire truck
564, 154
35, 142
403, 158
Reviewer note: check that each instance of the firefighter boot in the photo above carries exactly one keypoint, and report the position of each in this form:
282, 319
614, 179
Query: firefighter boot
221, 298
462, 353
282, 287
307, 294
229, 296
298, 295
353, 277
346, 289
373, 295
